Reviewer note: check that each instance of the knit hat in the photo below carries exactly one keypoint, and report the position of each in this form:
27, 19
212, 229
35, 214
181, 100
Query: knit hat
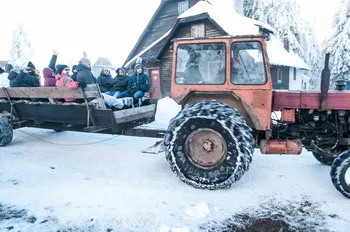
85, 61
8, 67
48, 72
138, 65
60, 68
31, 65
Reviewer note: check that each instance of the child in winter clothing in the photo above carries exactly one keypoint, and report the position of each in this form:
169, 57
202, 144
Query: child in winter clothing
63, 79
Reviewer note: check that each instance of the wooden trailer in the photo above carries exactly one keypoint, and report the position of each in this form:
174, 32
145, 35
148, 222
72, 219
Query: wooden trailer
38, 107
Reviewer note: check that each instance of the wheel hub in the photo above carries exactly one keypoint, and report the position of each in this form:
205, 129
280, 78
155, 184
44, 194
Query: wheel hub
206, 148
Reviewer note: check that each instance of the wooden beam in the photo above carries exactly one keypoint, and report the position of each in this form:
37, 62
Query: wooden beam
128, 115
91, 91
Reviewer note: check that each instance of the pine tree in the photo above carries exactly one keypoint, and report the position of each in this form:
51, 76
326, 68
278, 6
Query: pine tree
338, 45
21, 51
286, 17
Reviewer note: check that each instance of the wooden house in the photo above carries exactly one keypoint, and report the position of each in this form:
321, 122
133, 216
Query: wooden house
195, 18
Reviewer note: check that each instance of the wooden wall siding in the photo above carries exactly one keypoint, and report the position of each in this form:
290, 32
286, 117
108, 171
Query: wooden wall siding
184, 31
166, 19
285, 77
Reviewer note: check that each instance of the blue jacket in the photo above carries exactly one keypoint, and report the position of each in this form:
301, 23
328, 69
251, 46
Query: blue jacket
139, 82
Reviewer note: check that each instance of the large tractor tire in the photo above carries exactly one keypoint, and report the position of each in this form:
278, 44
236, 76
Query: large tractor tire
209, 145
6, 132
340, 173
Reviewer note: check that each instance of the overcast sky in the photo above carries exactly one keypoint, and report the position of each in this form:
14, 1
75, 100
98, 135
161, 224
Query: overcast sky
107, 28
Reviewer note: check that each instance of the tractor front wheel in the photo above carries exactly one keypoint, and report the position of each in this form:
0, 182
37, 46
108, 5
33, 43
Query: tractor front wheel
209, 145
340, 173
6, 132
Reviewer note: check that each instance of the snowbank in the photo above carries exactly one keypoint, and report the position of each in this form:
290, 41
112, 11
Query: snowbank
167, 108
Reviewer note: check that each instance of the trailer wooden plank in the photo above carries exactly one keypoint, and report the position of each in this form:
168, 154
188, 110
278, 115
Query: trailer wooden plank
132, 114
91, 91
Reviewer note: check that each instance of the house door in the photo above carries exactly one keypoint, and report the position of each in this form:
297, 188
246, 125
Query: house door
153, 74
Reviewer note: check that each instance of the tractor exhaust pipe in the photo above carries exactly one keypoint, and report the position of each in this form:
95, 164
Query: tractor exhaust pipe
325, 77
281, 147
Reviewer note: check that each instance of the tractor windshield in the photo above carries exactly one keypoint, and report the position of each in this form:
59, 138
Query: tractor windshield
247, 63
202, 63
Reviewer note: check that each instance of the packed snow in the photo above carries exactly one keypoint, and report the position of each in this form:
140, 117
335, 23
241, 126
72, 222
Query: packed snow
71, 181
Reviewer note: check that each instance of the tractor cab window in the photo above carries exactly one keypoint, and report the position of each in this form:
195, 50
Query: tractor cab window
200, 64
247, 64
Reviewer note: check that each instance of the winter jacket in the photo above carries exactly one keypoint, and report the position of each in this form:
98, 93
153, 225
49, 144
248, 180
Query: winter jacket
63, 80
138, 82
121, 83
52, 63
105, 82
24, 79
12, 75
49, 77
84, 75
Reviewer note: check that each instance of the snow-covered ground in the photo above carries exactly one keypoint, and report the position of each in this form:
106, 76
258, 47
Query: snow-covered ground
72, 181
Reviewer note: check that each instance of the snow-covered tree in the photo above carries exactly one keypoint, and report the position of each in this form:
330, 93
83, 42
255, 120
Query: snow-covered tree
287, 18
21, 51
338, 45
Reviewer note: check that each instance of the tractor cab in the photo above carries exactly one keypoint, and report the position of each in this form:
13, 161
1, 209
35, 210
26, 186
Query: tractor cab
232, 70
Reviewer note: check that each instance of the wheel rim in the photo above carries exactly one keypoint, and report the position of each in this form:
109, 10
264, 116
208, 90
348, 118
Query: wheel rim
206, 148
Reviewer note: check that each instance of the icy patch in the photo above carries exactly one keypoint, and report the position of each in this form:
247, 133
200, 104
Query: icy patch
303, 215
200, 210
168, 229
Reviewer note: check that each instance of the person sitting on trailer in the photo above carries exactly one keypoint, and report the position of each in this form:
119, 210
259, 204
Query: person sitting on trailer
26, 78
139, 84
64, 80
105, 81
121, 83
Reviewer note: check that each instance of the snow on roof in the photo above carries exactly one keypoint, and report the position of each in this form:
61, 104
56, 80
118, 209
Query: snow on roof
148, 48
280, 56
226, 18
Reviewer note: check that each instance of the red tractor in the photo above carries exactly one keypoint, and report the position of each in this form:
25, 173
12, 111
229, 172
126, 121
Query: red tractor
225, 88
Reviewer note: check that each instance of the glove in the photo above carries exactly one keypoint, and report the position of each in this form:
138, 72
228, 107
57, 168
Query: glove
1, 71
82, 85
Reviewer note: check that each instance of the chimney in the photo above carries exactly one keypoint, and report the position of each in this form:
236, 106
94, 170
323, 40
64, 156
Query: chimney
286, 43
238, 5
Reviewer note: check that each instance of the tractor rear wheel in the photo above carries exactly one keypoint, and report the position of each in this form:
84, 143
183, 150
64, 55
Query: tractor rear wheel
209, 145
340, 173
6, 132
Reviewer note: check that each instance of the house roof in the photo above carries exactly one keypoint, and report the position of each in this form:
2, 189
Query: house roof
223, 19
142, 36
103, 62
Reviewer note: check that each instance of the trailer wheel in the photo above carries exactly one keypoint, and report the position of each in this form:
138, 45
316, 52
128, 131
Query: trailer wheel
340, 173
209, 145
6, 132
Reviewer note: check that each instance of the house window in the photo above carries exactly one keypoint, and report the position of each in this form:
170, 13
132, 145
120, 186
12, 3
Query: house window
198, 30
294, 74
182, 6
279, 75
